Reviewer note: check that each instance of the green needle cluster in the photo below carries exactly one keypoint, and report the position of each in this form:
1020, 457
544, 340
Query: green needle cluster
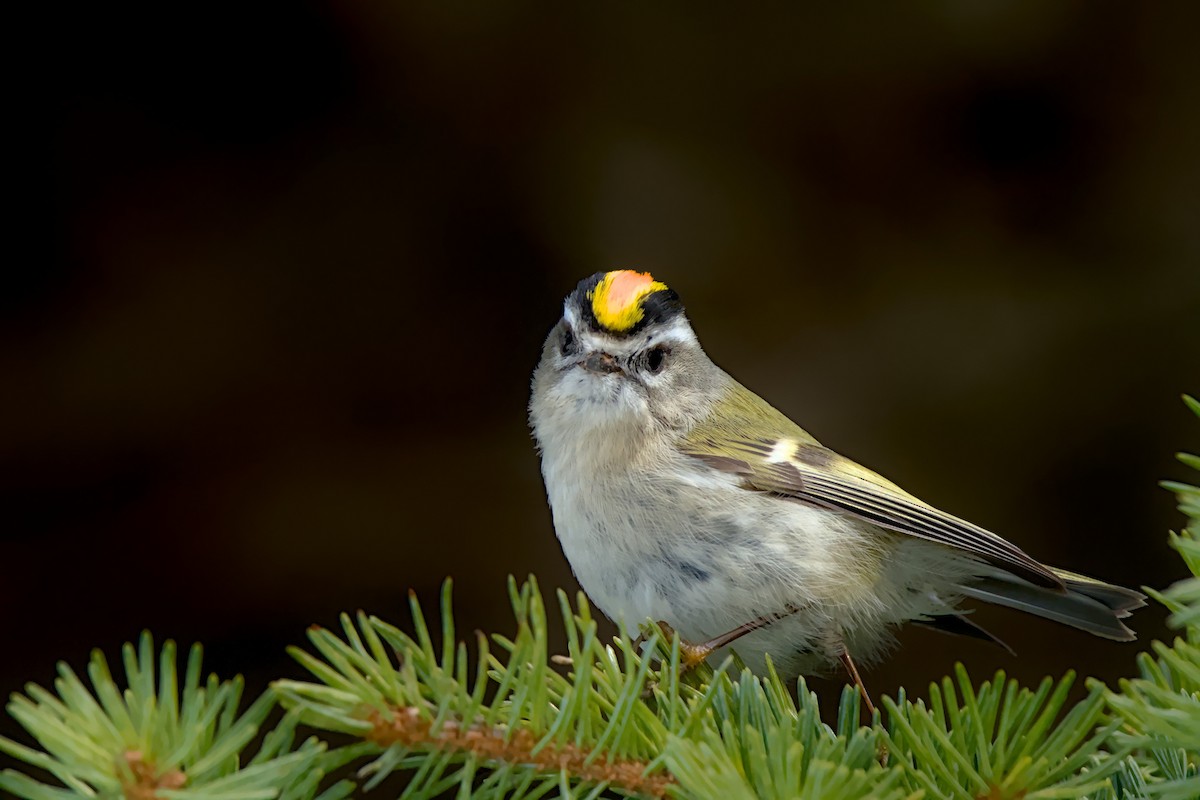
159, 737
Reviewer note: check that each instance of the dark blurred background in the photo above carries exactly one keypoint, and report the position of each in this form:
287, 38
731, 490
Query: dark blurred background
284, 271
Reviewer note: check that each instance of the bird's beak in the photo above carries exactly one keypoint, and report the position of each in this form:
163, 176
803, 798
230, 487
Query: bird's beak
600, 363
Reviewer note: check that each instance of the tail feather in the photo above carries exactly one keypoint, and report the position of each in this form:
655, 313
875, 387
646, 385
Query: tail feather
959, 624
1121, 600
1084, 603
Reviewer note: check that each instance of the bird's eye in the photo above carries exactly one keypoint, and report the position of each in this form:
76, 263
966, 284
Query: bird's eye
567, 345
656, 359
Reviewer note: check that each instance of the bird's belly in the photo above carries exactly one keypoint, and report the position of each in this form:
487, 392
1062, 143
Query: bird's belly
705, 566
673, 553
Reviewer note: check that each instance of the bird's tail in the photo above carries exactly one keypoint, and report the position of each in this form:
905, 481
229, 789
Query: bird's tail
1083, 602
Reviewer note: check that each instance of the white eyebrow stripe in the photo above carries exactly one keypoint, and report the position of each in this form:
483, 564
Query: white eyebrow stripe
630, 345
783, 452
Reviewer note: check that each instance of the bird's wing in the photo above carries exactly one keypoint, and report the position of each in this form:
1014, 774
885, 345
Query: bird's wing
795, 465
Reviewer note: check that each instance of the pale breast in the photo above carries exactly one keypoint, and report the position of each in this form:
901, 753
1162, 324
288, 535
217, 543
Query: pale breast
701, 552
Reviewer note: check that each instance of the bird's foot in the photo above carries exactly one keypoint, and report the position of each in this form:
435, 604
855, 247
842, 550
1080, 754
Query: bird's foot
691, 655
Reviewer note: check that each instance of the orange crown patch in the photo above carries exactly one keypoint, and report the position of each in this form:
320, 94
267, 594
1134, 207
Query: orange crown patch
617, 298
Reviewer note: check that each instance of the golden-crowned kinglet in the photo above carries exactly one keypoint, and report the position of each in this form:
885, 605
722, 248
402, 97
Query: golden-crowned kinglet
680, 495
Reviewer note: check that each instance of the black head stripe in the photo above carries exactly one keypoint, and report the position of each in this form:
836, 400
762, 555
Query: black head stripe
579, 300
658, 308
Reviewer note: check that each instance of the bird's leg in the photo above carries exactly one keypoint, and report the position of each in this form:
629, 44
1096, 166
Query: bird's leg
848, 663
693, 654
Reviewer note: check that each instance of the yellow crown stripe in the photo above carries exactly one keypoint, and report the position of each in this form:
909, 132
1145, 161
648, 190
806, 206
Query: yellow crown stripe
617, 298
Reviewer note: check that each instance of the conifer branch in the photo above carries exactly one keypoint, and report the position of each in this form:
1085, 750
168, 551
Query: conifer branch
406, 728
500, 721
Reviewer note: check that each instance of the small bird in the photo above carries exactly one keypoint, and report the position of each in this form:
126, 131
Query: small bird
679, 495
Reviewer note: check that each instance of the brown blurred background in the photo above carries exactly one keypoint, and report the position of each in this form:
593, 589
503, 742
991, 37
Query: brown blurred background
284, 272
